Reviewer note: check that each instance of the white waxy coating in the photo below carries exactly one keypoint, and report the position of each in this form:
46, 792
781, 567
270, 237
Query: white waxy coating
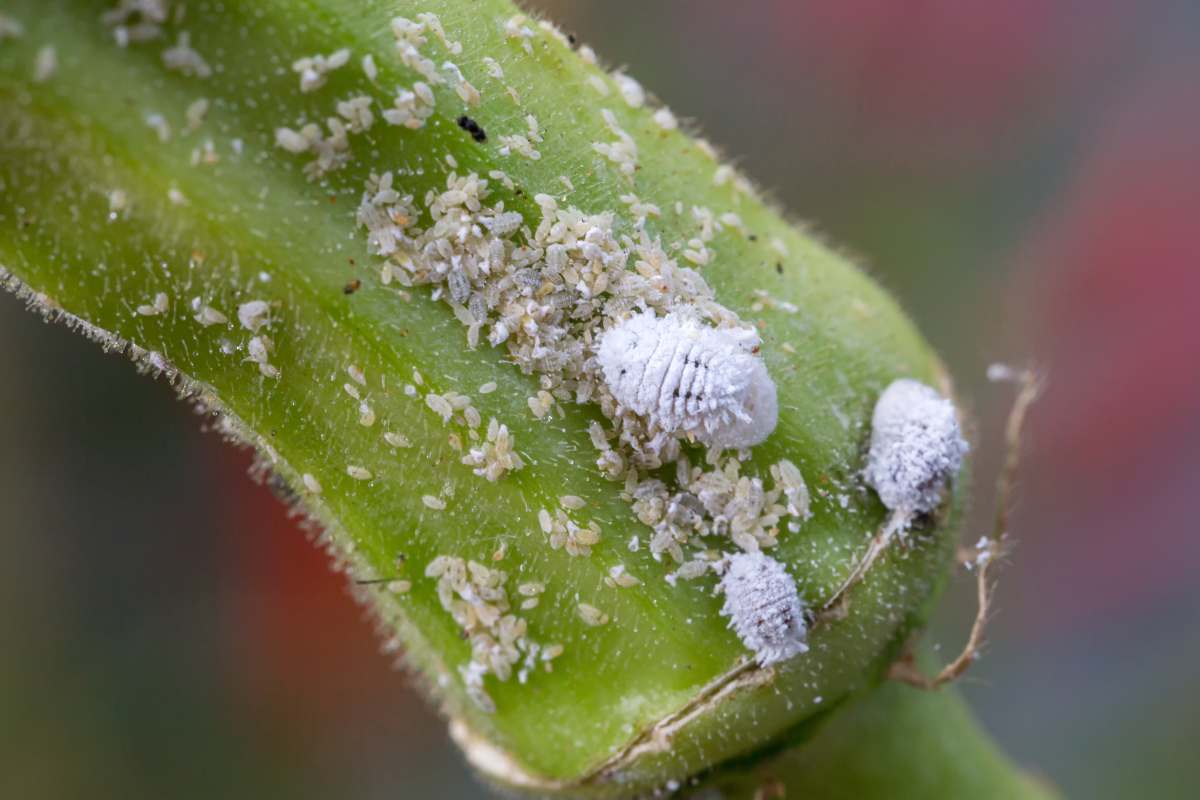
916, 447
763, 607
685, 376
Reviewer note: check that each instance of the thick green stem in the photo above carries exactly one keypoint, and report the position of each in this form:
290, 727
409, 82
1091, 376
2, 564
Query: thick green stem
894, 743
154, 194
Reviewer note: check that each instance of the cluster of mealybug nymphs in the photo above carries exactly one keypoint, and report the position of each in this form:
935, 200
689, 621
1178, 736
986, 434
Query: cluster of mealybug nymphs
763, 607
688, 377
916, 448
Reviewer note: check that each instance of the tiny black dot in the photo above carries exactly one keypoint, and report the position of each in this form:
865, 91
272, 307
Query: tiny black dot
472, 127
779, 267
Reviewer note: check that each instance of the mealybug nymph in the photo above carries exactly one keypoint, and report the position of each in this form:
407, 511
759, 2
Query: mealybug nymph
685, 376
916, 448
763, 607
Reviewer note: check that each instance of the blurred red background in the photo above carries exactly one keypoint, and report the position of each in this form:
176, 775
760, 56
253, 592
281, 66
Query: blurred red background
1024, 175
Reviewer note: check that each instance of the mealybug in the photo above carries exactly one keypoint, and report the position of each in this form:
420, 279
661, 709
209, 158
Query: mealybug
685, 376
763, 607
916, 448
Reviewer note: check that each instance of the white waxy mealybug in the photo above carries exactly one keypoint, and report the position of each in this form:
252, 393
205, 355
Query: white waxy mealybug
763, 607
916, 448
684, 376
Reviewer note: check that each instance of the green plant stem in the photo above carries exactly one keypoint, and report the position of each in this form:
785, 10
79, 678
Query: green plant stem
660, 692
894, 743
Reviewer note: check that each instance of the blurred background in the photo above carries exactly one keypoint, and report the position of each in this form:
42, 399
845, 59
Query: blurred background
1024, 175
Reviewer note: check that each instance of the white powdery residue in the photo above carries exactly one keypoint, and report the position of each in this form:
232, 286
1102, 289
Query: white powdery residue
623, 152
134, 21
45, 64
546, 292
440, 406
311, 483
763, 607
161, 304
787, 476
540, 403
493, 68
206, 153
731, 220
495, 457
359, 473
764, 301
314, 69
723, 175
916, 449
518, 143
332, 152
410, 36
688, 377
475, 596
258, 351
366, 414
535, 131
516, 30
254, 314
398, 440
630, 89
619, 578
291, 141
357, 113
118, 203
552, 29
207, 315
665, 119
411, 107
176, 197
640, 209
196, 112
591, 615
368, 67
184, 59
160, 125
566, 534
599, 84
434, 23
462, 87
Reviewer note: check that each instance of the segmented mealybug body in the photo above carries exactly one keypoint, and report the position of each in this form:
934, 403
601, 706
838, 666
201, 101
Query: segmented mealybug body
916, 448
685, 376
763, 607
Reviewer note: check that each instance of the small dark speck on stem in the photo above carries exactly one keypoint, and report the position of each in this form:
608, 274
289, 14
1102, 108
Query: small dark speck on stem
472, 127
352, 286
